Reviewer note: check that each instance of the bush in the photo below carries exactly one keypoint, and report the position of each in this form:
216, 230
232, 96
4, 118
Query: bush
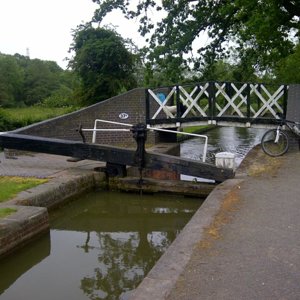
5, 123
60, 98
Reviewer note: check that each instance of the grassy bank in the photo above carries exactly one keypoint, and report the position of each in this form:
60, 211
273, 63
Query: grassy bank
12, 118
198, 129
11, 186
194, 129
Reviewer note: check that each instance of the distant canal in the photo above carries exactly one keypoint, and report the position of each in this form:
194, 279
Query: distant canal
100, 246
222, 139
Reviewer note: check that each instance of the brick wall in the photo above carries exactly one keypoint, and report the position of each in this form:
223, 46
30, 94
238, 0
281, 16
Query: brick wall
131, 103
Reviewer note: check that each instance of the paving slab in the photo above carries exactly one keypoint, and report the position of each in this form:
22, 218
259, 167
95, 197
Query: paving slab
41, 165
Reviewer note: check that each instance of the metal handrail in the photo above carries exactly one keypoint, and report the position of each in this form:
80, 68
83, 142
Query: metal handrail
95, 130
186, 133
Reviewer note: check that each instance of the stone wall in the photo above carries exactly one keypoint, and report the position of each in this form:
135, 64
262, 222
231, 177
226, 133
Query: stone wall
22, 226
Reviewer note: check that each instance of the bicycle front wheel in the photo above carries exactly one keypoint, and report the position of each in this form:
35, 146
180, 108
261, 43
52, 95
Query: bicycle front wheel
273, 145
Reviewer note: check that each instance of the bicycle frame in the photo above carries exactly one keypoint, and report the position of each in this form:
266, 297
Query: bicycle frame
277, 134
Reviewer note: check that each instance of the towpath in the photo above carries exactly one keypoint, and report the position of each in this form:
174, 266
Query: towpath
243, 243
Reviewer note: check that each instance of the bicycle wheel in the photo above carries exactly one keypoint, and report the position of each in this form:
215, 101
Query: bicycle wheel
272, 147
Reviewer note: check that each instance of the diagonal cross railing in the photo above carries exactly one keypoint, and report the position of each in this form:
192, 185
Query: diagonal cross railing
216, 102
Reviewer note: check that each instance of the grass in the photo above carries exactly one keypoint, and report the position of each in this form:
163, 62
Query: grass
11, 186
6, 211
196, 129
29, 115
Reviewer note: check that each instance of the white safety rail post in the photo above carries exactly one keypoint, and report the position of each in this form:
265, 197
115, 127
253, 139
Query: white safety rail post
186, 133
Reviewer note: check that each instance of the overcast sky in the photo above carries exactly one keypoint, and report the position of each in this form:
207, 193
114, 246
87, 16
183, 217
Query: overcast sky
44, 26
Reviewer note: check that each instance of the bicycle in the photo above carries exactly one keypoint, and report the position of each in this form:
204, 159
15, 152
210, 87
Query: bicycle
275, 142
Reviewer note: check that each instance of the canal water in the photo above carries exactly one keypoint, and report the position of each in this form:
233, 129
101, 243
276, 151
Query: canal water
221, 139
101, 245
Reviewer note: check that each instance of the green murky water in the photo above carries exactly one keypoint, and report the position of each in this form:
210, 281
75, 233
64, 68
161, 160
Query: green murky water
100, 247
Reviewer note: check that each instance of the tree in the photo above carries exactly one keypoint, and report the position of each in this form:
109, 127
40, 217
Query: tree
288, 68
24, 81
103, 63
41, 80
261, 32
11, 81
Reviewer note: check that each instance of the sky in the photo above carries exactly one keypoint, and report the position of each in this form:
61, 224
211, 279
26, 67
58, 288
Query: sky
43, 28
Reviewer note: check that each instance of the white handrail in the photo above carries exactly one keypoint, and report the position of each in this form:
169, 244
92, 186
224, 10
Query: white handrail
105, 121
186, 133
95, 130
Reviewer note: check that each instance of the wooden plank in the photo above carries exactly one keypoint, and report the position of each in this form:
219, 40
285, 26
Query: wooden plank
115, 155
187, 166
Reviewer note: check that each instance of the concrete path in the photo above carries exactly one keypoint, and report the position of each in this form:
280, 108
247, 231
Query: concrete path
41, 165
252, 249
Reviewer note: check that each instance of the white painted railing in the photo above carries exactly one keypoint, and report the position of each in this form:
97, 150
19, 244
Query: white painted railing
95, 130
217, 100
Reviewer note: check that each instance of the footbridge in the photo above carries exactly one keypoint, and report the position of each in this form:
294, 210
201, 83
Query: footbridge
221, 103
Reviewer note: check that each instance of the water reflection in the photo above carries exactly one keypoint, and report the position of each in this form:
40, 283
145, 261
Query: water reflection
102, 246
13, 266
238, 140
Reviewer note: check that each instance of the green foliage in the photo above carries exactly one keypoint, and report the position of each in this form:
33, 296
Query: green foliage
41, 79
25, 82
5, 123
288, 69
13, 118
62, 97
103, 63
11, 81
258, 33
224, 71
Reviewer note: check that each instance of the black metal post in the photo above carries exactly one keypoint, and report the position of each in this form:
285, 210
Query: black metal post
285, 97
140, 135
212, 99
147, 97
248, 98
81, 133
178, 111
